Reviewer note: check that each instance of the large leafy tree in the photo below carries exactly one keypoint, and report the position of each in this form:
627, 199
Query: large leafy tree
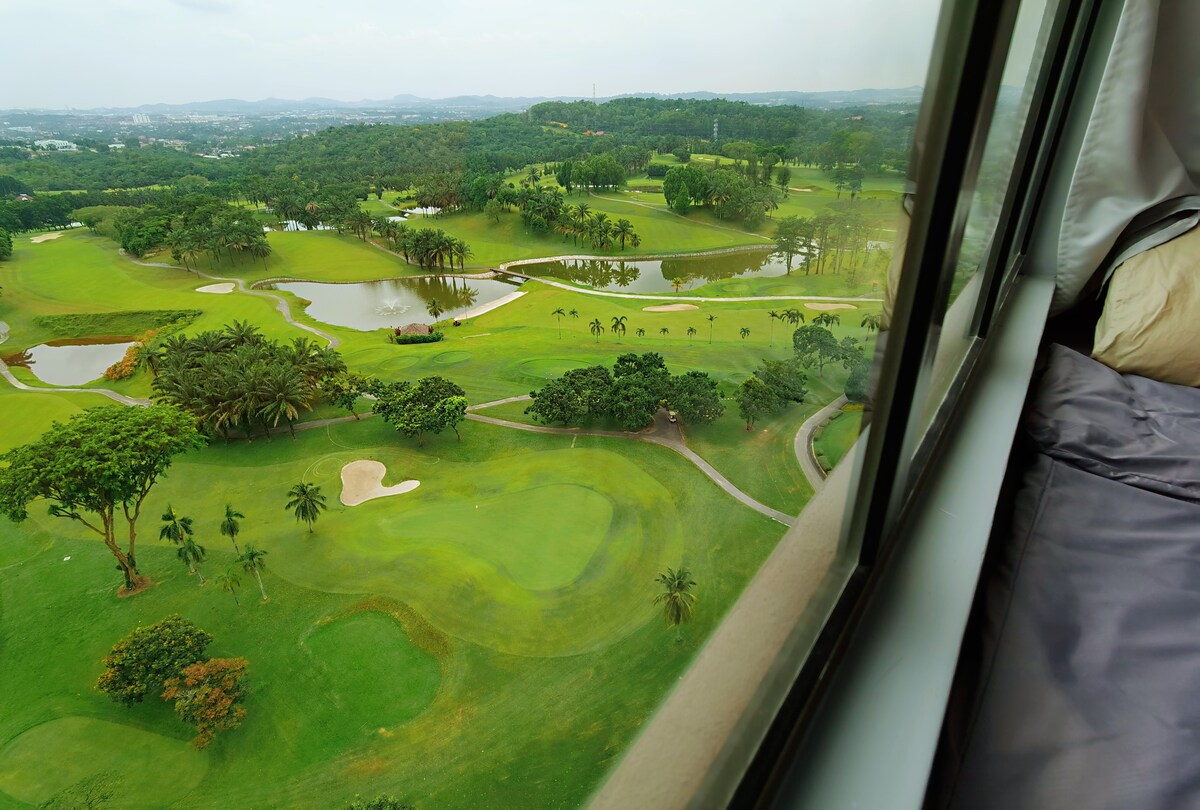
430, 406
97, 469
147, 657
755, 400
306, 502
694, 397
816, 346
208, 695
676, 597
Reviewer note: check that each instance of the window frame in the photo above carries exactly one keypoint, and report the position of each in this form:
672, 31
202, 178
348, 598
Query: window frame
972, 41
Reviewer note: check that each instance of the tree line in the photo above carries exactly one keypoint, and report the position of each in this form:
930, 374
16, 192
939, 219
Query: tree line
629, 394
234, 379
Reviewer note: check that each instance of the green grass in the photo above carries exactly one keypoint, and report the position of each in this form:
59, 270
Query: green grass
484, 640
388, 659
837, 437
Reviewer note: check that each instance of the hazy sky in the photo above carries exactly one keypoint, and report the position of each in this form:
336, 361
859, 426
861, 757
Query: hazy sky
87, 53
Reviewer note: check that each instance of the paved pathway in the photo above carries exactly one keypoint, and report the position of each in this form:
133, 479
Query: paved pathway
124, 400
803, 444
664, 433
281, 305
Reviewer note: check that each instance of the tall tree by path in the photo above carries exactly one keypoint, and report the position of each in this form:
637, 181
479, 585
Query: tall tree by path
99, 465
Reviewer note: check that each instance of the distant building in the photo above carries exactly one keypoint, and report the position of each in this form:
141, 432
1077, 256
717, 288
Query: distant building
57, 145
141, 118
23, 198
116, 146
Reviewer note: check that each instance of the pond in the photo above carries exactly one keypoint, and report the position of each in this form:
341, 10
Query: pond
75, 362
382, 304
655, 276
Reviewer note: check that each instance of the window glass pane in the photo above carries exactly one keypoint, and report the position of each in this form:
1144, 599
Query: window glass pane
561, 383
1021, 69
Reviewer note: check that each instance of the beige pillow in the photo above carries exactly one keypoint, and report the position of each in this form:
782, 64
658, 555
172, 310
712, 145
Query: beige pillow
1151, 320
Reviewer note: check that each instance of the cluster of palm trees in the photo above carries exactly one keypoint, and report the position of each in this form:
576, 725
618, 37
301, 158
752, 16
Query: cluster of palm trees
428, 247
580, 222
178, 529
235, 379
230, 233
791, 316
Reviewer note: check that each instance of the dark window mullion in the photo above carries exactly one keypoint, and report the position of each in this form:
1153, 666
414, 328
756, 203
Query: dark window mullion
973, 40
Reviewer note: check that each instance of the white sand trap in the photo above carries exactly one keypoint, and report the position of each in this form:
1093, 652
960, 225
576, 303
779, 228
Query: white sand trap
45, 237
499, 302
670, 308
828, 307
362, 481
219, 289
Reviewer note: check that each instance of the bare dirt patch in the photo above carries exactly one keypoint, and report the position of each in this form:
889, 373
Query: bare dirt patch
670, 308
362, 481
45, 237
218, 289
828, 307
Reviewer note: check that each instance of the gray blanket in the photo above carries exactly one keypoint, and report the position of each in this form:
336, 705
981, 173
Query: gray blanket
1090, 693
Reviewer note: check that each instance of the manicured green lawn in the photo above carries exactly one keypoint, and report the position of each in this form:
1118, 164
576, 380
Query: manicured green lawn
838, 436
408, 647
487, 639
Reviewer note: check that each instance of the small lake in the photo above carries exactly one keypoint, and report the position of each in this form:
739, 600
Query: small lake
655, 276
383, 304
74, 364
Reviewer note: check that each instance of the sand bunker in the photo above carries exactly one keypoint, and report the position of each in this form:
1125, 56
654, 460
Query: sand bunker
45, 237
827, 307
362, 481
670, 308
219, 289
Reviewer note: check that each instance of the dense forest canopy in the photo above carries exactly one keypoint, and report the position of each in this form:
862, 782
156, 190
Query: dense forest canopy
395, 156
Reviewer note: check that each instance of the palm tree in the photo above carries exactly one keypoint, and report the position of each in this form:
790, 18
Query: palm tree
597, 329
745, 332
229, 581
640, 332
677, 283
618, 324
711, 318
558, 313
252, 562
664, 331
574, 314
307, 502
434, 309
283, 392
774, 316
191, 553
230, 526
691, 333
827, 319
176, 528
623, 230
635, 240
676, 598
871, 322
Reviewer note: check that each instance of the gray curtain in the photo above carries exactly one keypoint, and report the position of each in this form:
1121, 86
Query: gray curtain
1126, 175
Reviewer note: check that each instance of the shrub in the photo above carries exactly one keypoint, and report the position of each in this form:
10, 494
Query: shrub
657, 170
407, 339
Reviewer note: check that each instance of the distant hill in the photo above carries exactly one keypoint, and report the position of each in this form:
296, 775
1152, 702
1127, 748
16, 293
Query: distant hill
497, 104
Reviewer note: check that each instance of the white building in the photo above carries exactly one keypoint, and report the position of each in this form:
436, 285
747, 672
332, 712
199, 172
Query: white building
57, 145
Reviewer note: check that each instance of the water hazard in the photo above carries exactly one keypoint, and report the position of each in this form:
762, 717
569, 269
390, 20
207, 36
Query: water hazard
373, 305
659, 275
74, 363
